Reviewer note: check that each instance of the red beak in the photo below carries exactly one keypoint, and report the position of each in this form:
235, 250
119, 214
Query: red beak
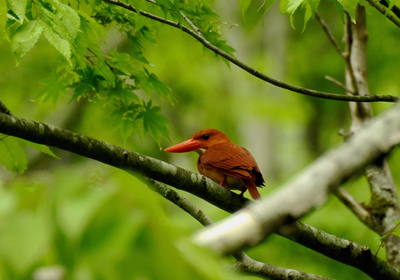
187, 146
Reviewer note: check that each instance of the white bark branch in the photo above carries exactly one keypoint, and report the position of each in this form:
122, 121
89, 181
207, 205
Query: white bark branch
384, 206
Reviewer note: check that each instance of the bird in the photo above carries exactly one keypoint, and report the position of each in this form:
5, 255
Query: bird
224, 162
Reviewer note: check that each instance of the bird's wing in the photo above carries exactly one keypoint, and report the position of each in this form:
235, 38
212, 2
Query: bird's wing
232, 160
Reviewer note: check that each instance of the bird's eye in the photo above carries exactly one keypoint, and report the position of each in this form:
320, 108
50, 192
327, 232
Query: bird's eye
206, 136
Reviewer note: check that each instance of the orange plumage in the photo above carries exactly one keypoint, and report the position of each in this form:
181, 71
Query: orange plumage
222, 161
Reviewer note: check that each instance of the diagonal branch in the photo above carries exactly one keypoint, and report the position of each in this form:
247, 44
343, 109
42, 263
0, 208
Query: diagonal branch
329, 34
252, 71
336, 248
179, 201
255, 268
384, 11
356, 207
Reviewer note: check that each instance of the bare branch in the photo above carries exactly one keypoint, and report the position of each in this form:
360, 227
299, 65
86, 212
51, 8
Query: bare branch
339, 84
252, 71
266, 271
341, 249
329, 34
384, 209
178, 200
356, 207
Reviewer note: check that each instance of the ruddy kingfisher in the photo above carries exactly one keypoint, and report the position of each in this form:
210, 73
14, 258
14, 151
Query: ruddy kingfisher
224, 162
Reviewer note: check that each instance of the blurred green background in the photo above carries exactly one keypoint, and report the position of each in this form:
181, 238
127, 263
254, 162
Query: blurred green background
92, 221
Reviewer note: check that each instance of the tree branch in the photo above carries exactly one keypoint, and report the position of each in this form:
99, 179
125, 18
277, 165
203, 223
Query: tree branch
384, 208
252, 71
356, 207
179, 201
339, 84
384, 11
266, 271
336, 248
135, 163
329, 34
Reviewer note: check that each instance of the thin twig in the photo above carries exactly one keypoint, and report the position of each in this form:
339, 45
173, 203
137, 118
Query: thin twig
195, 28
339, 84
356, 207
198, 31
384, 239
345, 55
178, 200
329, 34
252, 71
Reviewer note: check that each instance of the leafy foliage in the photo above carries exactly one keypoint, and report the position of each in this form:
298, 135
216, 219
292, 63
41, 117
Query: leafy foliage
12, 156
306, 7
83, 71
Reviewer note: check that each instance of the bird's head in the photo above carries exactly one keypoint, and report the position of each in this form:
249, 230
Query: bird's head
200, 142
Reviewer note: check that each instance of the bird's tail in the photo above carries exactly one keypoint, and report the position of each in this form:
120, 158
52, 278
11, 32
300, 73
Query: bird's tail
253, 190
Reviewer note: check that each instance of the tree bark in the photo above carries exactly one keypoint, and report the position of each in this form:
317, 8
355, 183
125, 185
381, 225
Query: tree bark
383, 208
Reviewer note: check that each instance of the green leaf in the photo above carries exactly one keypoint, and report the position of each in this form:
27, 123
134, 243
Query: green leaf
59, 43
52, 89
158, 86
3, 20
244, 6
19, 8
350, 6
292, 6
69, 18
127, 121
154, 122
149, 34
93, 32
310, 6
104, 71
40, 148
283, 6
339, 8
12, 156
25, 38
124, 92
268, 5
